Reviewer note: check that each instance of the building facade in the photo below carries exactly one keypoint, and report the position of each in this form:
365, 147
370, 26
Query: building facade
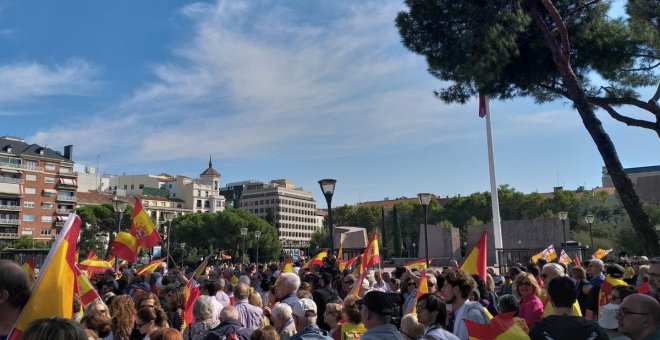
646, 180
293, 209
37, 189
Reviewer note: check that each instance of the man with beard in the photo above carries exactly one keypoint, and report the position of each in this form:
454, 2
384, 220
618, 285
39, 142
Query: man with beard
654, 278
457, 288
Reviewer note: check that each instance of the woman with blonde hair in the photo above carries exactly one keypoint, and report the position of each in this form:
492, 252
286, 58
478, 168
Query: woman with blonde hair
527, 289
353, 327
411, 329
123, 314
332, 318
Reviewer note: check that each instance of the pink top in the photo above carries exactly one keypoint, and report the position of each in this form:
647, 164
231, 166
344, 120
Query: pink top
531, 309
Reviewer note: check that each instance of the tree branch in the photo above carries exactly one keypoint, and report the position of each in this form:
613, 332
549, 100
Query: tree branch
656, 96
630, 121
563, 33
651, 107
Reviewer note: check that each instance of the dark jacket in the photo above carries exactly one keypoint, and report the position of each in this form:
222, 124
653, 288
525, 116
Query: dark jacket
559, 327
228, 327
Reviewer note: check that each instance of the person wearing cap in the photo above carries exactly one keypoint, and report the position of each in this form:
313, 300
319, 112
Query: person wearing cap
304, 314
639, 317
432, 312
376, 313
609, 323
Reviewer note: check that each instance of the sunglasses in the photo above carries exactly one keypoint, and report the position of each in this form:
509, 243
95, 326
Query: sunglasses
525, 283
412, 284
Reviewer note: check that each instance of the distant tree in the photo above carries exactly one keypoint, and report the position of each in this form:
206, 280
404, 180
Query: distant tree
27, 242
510, 48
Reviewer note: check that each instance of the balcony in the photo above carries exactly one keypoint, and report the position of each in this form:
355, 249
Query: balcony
10, 207
67, 182
10, 180
20, 166
68, 173
10, 221
8, 236
13, 189
65, 211
66, 198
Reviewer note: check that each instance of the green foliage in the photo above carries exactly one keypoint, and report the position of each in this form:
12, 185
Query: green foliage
26, 242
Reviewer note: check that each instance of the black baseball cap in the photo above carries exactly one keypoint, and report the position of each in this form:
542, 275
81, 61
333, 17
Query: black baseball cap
377, 302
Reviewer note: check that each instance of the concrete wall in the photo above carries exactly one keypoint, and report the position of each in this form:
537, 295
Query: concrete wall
443, 242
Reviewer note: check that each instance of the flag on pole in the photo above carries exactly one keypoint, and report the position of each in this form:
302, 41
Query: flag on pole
142, 228
548, 254
86, 291
52, 295
563, 258
200, 269
95, 266
317, 259
287, 267
357, 285
501, 327
92, 255
417, 264
149, 267
606, 288
348, 263
421, 290
371, 254
125, 247
600, 253
190, 294
483, 106
28, 268
475, 263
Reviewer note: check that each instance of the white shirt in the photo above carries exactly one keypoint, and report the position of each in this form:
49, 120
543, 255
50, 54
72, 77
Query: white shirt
223, 298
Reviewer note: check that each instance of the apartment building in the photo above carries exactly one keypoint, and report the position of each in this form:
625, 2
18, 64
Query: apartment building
294, 209
37, 189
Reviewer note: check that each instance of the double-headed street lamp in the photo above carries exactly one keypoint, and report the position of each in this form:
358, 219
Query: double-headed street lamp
257, 234
328, 189
183, 250
119, 206
425, 199
243, 233
168, 217
563, 215
590, 220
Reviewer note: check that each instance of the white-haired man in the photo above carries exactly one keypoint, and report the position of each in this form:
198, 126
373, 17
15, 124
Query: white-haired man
283, 320
592, 290
549, 272
286, 287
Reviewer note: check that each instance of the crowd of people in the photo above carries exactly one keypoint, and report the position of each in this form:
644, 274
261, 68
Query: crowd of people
261, 302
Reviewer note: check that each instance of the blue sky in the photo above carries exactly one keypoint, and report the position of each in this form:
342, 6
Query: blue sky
301, 90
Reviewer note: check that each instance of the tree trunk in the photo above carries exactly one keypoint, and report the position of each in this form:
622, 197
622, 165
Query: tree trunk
624, 186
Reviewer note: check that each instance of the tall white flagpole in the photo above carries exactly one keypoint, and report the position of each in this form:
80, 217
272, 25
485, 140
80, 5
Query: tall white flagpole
484, 110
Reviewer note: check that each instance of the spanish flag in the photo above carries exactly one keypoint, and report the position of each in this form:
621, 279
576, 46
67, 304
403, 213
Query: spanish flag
347, 264
606, 288
200, 269
86, 291
317, 259
421, 290
149, 267
501, 327
52, 295
142, 228
371, 253
95, 266
190, 294
92, 255
475, 263
125, 247
287, 267
28, 268
417, 264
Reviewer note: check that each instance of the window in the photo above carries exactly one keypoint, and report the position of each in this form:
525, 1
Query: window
45, 232
46, 206
29, 177
170, 186
199, 203
132, 186
47, 219
172, 205
141, 186
28, 204
162, 204
145, 203
206, 204
28, 218
30, 191
32, 164
206, 193
49, 179
125, 186
218, 204
50, 166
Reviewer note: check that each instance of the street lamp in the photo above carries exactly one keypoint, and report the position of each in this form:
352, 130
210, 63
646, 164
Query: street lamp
563, 215
257, 234
183, 250
243, 233
328, 189
119, 205
425, 199
590, 220
414, 249
168, 217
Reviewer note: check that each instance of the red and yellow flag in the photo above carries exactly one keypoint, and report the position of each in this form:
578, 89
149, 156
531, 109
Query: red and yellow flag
125, 247
142, 228
287, 267
28, 268
95, 266
355, 291
190, 294
606, 289
92, 255
348, 263
86, 291
52, 295
421, 290
548, 254
501, 327
371, 253
200, 269
317, 259
563, 258
149, 267
475, 263
417, 264
600, 253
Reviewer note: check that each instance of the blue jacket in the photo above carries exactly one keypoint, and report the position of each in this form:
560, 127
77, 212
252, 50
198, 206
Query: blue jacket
311, 332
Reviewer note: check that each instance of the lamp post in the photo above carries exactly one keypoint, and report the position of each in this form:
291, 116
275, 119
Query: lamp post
414, 249
328, 189
257, 234
119, 206
563, 215
243, 233
183, 250
168, 217
590, 220
425, 199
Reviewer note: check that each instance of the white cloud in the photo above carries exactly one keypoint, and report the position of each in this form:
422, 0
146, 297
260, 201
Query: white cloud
28, 81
